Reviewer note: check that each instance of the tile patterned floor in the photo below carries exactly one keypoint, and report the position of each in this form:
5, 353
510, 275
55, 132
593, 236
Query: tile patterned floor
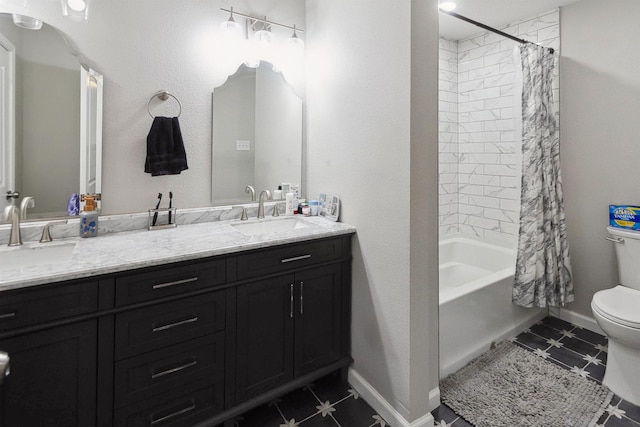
327, 402
573, 348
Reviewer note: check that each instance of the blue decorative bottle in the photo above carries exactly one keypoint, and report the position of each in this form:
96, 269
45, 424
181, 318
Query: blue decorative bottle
89, 216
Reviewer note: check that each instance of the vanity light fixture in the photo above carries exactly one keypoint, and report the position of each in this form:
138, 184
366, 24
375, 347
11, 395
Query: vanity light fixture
76, 10
447, 6
231, 30
26, 22
263, 35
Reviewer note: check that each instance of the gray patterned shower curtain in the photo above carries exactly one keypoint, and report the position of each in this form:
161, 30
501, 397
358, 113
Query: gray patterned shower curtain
543, 269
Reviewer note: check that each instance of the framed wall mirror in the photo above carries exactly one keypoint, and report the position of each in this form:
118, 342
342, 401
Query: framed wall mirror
51, 136
257, 134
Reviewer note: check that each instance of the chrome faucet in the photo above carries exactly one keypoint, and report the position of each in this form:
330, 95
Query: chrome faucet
261, 202
249, 189
27, 202
15, 238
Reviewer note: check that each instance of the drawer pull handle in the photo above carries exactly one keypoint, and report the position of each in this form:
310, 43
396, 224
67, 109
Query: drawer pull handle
301, 297
291, 301
7, 315
174, 370
175, 324
177, 282
191, 407
295, 258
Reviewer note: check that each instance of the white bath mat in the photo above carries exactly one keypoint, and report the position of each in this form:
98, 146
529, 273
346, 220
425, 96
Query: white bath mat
509, 386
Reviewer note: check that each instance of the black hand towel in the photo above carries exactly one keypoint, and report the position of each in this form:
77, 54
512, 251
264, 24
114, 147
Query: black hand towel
165, 148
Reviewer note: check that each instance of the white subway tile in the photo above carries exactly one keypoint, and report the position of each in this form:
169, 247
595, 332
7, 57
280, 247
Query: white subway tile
471, 169
484, 180
487, 202
484, 72
480, 116
501, 192
476, 190
484, 51
471, 210
499, 147
510, 205
509, 181
470, 64
506, 170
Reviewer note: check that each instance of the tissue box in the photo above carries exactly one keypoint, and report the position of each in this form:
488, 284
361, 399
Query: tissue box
624, 216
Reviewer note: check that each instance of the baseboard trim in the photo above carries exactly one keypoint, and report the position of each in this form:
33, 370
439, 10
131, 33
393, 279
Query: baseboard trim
434, 398
586, 322
383, 407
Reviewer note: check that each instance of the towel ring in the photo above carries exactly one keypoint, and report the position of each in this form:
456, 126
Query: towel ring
163, 95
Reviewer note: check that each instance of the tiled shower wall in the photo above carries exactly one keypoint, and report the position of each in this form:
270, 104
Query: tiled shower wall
485, 153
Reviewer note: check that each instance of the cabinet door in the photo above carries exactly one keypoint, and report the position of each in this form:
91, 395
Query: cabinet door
264, 346
53, 378
318, 325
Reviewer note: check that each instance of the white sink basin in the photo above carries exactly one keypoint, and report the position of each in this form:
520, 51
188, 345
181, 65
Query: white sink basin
32, 254
270, 226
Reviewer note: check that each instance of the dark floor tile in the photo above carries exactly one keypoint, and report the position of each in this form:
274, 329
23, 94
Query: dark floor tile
603, 418
354, 413
620, 422
632, 411
331, 388
580, 346
546, 331
558, 324
589, 336
262, 416
461, 422
532, 341
567, 357
319, 421
298, 404
444, 413
596, 371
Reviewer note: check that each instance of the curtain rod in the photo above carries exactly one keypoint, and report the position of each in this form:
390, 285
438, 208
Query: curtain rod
486, 27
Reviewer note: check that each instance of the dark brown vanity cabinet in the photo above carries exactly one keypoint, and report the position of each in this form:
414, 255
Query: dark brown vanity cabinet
184, 344
288, 326
52, 371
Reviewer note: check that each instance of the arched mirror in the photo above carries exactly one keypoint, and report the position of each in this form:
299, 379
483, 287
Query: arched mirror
257, 134
51, 129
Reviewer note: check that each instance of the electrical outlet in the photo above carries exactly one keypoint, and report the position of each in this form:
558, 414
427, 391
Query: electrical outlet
243, 146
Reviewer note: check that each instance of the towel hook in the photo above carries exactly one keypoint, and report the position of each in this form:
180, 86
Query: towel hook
163, 95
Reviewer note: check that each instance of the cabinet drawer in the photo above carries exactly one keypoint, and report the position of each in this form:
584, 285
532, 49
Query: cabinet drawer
169, 281
157, 372
48, 302
162, 325
176, 409
270, 261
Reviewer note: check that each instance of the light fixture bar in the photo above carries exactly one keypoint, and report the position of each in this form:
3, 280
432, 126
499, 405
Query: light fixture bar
263, 20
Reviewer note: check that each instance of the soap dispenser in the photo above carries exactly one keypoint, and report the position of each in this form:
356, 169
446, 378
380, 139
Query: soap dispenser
89, 216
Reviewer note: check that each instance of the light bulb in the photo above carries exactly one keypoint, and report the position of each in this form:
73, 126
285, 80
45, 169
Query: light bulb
294, 42
263, 36
447, 6
77, 5
231, 30
26, 22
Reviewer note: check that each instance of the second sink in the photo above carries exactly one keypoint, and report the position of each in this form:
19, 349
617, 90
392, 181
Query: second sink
273, 226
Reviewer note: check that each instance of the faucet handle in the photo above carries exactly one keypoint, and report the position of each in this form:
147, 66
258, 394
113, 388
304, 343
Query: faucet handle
275, 209
244, 216
46, 233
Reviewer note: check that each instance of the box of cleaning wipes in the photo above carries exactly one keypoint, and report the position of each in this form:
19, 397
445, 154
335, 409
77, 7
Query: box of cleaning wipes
624, 216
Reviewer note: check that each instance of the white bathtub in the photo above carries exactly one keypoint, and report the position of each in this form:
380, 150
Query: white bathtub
475, 300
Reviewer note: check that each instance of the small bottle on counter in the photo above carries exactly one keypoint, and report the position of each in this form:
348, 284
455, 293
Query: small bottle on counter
289, 206
89, 216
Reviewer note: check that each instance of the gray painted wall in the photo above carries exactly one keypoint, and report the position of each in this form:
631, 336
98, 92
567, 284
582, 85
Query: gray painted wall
365, 144
600, 131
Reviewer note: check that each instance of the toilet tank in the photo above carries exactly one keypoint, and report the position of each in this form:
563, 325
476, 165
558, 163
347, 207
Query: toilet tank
627, 255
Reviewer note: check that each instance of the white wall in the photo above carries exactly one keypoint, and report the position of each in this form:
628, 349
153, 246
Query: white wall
360, 147
144, 46
600, 131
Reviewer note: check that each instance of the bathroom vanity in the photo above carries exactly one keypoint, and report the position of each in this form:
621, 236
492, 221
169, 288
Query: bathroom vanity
151, 335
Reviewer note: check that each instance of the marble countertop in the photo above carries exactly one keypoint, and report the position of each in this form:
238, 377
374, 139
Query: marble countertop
123, 251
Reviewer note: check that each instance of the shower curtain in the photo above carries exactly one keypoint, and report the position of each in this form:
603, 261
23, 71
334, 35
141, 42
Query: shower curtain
543, 270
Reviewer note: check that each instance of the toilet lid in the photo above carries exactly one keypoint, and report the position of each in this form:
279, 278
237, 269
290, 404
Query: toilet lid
620, 304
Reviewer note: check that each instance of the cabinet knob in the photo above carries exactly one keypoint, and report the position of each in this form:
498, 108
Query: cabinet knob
4, 366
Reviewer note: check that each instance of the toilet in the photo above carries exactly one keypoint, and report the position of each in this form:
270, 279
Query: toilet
617, 311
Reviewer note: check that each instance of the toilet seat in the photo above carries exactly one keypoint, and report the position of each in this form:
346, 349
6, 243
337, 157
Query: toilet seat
619, 305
